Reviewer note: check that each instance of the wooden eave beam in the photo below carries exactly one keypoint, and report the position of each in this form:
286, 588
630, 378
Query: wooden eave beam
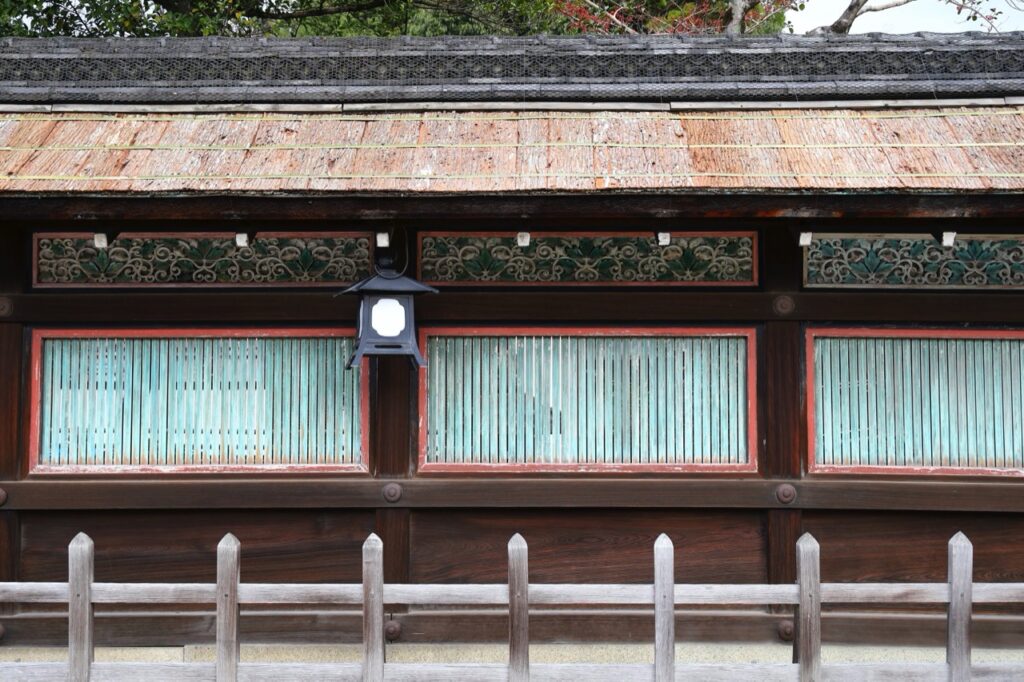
969, 495
606, 205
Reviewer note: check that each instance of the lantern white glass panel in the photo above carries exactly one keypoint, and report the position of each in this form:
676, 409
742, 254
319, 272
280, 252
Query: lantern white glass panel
387, 317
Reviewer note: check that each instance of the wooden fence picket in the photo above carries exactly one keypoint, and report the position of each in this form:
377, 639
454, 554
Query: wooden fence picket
373, 609
664, 610
807, 643
81, 651
518, 610
229, 573
958, 617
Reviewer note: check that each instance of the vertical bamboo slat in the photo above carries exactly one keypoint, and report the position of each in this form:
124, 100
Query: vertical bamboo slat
229, 574
198, 401
574, 400
373, 609
808, 622
918, 402
518, 610
80, 609
664, 610
958, 618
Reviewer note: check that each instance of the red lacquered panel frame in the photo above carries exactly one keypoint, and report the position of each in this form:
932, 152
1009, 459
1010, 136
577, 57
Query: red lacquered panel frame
35, 397
749, 333
891, 333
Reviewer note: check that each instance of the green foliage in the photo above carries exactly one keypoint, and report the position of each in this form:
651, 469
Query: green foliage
276, 17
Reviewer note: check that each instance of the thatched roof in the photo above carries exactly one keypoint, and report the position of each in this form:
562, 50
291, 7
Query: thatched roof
962, 149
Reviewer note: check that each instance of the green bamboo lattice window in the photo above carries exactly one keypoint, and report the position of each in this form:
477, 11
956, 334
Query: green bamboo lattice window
575, 400
143, 399
917, 400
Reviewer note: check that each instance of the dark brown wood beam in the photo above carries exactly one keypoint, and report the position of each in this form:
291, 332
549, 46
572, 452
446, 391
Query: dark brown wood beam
525, 306
604, 206
512, 492
11, 356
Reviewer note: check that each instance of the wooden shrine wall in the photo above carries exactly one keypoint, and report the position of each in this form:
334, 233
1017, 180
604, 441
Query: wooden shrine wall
438, 527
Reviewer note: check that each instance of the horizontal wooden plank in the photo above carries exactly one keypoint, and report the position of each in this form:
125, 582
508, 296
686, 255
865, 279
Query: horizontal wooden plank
495, 307
35, 592
664, 493
406, 672
609, 205
112, 672
334, 626
541, 594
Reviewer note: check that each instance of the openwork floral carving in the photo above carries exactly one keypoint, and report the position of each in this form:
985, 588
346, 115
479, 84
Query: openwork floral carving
169, 260
637, 258
914, 262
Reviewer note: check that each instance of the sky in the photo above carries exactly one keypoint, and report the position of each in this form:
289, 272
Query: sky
920, 15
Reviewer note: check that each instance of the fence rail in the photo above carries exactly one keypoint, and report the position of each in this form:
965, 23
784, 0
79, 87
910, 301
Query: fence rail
81, 593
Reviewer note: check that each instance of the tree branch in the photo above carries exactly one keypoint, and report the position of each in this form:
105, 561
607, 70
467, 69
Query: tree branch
737, 15
611, 17
363, 6
881, 7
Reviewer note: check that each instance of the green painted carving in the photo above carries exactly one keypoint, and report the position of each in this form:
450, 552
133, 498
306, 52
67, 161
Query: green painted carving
690, 258
188, 260
914, 262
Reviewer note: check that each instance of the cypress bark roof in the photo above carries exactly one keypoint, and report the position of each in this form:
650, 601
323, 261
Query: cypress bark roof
460, 69
949, 149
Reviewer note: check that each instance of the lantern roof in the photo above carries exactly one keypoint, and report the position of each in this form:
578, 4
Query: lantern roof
388, 281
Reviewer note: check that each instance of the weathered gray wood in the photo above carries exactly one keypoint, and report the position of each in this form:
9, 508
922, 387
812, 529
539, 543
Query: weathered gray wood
350, 672
664, 610
229, 552
998, 593
322, 593
807, 643
373, 609
518, 610
80, 608
887, 672
958, 623
36, 593
155, 593
154, 672
476, 595
872, 593
486, 594
300, 672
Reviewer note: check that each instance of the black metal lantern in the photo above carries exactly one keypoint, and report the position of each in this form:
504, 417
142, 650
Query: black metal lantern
387, 317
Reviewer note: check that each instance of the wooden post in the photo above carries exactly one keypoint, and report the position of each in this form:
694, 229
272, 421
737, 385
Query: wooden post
807, 641
80, 609
664, 610
518, 610
229, 573
958, 618
373, 609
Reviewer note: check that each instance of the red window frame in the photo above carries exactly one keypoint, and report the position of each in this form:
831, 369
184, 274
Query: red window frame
813, 333
750, 467
35, 398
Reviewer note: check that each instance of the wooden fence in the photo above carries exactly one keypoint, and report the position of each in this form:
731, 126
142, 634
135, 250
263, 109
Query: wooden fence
80, 593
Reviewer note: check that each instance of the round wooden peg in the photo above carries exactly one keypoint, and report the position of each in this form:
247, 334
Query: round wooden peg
392, 492
785, 493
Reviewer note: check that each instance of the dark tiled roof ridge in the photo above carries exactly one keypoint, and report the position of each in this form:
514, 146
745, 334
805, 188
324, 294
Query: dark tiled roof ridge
486, 68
